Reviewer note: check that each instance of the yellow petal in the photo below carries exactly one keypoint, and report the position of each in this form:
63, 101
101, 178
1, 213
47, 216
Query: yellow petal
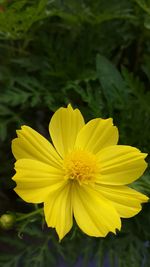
97, 134
125, 200
35, 180
93, 213
30, 144
58, 210
64, 127
120, 165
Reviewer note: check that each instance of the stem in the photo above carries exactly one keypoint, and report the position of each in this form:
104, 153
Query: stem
23, 217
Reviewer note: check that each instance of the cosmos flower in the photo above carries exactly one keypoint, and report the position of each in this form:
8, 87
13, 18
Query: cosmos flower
84, 174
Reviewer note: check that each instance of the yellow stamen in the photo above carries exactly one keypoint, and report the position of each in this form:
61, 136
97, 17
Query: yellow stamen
81, 166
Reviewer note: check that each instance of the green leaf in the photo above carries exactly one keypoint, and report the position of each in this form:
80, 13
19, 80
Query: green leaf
112, 83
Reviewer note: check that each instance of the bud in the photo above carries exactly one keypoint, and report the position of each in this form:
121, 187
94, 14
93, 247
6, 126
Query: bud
7, 221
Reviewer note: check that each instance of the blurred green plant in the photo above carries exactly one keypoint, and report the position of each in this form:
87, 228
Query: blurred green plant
94, 54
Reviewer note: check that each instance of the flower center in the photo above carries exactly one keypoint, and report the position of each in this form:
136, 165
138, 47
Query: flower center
81, 166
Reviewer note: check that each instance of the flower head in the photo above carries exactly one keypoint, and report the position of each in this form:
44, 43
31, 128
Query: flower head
83, 174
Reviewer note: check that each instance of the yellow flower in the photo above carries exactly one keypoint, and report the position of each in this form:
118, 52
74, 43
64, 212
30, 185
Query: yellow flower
83, 175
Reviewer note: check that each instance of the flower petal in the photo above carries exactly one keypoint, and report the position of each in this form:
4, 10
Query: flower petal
97, 134
35, 180
32, 145
93, 213
120, 165
58, 210
64, 127
126, 201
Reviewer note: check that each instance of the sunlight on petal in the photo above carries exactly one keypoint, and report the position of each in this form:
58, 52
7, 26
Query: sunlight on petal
120, 165
93, 213
64, 127
126, 201
35, 180
97, 134
32, 145
58, 210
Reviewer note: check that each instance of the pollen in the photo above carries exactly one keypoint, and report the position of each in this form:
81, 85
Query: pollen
81, 166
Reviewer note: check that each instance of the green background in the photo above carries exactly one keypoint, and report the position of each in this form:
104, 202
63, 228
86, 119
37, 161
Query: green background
96, 56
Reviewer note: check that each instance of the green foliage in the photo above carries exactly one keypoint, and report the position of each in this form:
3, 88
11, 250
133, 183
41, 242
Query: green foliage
113, 86
27, 251
94, 54
19, 16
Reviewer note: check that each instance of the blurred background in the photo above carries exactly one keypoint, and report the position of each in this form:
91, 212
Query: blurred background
96, 56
